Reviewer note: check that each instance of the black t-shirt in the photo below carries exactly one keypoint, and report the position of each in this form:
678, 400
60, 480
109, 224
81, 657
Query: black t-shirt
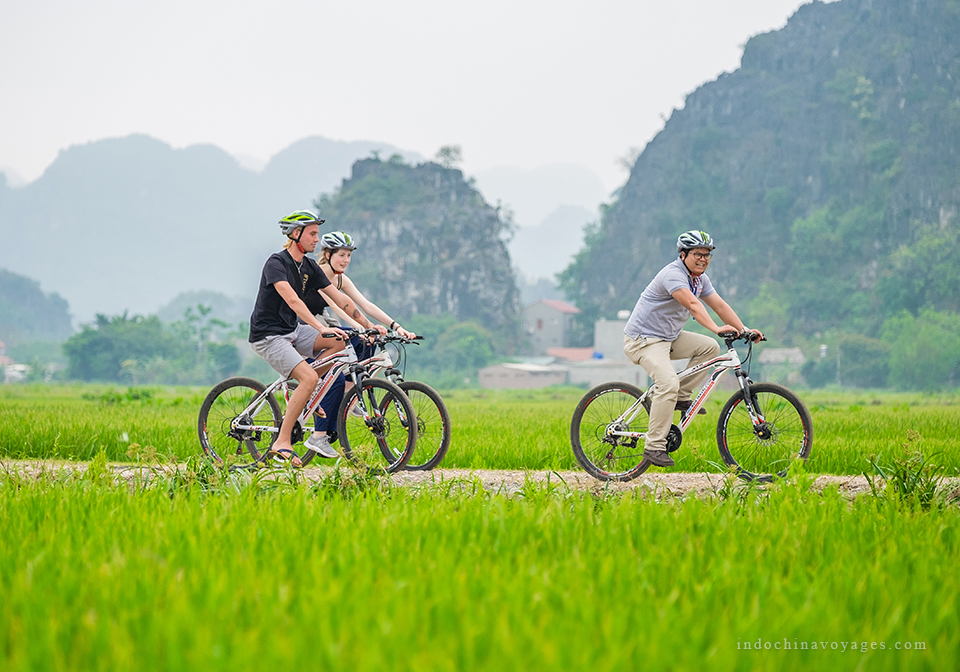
271, 315
316, 301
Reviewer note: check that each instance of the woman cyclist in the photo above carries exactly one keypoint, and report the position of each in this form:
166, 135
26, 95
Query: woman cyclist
336, 250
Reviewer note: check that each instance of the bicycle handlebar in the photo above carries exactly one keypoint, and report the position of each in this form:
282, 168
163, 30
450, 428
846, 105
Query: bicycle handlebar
733, 336
378, 337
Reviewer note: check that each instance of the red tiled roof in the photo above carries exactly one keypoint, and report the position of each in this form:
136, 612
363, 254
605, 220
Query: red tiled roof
561, 306
571, 354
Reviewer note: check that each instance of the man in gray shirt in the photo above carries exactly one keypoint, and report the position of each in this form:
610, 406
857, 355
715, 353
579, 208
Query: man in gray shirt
654, 334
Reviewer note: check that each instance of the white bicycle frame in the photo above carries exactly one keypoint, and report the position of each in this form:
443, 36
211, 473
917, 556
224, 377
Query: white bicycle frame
721, 364
341, 360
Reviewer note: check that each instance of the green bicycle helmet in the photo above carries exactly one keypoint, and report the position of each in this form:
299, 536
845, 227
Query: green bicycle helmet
337, 240
297, 219
689, 240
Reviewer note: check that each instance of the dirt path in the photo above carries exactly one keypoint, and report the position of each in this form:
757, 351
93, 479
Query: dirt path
493, 480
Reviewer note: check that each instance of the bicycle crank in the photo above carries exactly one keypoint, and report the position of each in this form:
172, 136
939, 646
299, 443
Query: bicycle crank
674, 438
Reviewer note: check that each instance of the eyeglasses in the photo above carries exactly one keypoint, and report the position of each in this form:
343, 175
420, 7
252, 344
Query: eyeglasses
702, 255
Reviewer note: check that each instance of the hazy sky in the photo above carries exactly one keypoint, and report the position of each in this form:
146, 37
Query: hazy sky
524, 83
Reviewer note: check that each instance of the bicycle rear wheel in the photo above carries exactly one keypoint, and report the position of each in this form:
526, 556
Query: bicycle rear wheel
766, 450
433, 424
386, 438
224, 403
609, 458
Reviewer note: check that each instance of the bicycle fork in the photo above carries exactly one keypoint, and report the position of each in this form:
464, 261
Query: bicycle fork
753, 408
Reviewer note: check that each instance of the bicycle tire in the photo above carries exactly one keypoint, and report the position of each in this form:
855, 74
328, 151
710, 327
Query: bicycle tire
603, 457
764, 452
385, 442
433, 425
222, 405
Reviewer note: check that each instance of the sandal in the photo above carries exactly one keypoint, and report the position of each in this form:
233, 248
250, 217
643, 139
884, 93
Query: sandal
279, 454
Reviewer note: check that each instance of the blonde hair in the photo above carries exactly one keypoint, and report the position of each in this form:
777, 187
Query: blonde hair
290, 241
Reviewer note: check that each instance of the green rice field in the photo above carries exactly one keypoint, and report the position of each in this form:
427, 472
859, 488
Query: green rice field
204, 570
515, 429
275, 575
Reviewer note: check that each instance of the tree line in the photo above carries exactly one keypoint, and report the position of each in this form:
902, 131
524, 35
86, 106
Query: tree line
202, 349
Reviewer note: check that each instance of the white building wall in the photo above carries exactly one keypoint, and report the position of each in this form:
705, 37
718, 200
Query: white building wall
608, 339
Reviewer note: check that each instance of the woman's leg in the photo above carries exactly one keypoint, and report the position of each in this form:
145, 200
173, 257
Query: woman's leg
330, 405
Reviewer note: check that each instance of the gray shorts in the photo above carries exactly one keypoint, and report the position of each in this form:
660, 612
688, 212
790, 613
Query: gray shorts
285, 351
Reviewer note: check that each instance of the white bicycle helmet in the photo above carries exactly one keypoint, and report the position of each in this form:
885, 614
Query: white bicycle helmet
689, 240
337, 240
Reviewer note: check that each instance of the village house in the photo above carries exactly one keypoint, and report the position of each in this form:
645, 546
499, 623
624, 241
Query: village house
547, 324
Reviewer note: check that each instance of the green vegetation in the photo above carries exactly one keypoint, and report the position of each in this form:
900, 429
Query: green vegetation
450, 353
196, 568
197, 349
509, 429
822, 168
429, 245
198, 571
27, 314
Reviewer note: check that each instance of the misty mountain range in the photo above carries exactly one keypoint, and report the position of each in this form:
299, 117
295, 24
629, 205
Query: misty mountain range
131, 223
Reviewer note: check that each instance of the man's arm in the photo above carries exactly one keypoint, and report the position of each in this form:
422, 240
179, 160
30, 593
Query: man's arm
724, 311
685, 298
287, 293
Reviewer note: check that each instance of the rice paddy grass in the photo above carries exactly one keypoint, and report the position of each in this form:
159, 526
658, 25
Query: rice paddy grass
510, 429
205, 571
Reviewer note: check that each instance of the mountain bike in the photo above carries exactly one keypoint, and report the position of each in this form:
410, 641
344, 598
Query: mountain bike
240, 418
762, 428
433, 418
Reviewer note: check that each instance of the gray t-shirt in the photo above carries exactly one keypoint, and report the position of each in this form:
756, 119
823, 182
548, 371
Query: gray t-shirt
657, 313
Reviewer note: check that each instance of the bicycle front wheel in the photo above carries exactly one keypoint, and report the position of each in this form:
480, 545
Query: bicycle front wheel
602, 455
433, 424
784, 432
227, 401
382, 435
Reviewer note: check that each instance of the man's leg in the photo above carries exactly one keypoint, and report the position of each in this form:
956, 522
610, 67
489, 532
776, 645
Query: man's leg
306, 377
698, 348
654, 356
327, 346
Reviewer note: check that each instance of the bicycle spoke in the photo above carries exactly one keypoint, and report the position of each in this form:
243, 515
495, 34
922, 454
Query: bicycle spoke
227, 402
602, 455
761, 451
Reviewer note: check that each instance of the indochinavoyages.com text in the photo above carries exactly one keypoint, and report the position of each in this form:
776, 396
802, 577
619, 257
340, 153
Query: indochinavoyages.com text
802, 645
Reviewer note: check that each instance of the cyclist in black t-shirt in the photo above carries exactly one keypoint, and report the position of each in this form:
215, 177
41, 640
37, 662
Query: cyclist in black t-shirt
275, 333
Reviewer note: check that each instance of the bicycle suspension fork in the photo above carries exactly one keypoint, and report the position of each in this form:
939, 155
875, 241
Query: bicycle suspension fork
753, 409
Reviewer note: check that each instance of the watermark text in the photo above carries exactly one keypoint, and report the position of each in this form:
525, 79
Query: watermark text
786, 644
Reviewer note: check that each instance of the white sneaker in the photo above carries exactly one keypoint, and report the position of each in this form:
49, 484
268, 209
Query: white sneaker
356, 411
320, 444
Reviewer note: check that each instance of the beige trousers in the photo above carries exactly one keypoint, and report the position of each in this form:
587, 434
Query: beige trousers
655, 355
